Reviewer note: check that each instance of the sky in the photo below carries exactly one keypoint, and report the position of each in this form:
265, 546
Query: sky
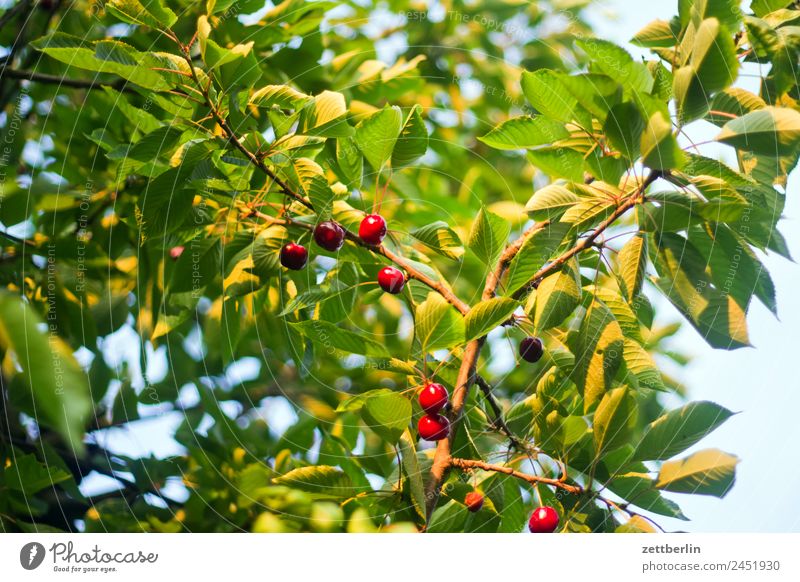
761, 383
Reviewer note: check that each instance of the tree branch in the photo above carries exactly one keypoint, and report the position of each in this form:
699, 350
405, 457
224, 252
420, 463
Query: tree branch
586, 242
33, 76
467, 464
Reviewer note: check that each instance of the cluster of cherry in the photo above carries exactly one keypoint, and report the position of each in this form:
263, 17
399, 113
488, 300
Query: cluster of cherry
330, 236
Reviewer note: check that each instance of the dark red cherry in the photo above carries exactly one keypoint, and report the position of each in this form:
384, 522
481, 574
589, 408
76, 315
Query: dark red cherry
329, 235
543, 520
372, 229
531, 349
294, 256
433, 427
391, 280
433, 397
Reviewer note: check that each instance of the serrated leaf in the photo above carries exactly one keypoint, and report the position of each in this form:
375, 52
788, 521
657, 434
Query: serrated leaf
658, 34
624, 126
439, 237
641, 366
771, 131
376, 135
524, 132
632, 259
615, 62
487, 315
488, 236
437, 324
614, 420
550, 202
639, 489
321, 480
412, 143
283, 96
679, 429
148, 12
544, 90
388, 414
707, 472
326, 116
327, 334
598, 355
534, 253
556, 297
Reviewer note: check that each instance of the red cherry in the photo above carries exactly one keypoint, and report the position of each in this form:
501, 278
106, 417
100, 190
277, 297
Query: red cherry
391, 280
473, 501
372, 229
433, 397
175, 252
531, 349
294, 256
329, 235
433, 427
543, 520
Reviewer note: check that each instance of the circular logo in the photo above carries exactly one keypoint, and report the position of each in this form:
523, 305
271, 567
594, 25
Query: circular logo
31, 555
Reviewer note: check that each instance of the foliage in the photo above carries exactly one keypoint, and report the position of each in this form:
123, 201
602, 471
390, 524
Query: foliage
534, 184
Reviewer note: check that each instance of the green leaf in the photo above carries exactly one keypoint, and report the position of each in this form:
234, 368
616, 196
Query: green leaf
387, 414
640, 365
660, 149
550, 202
771, 131
679, 429
322, 480
57, 383
329, 335
639, 489
437, 324
544, 90
487, 315
733, 102
624, 126
408, 458
763, 7
711, 66
556, 297
614, 420
376, 135
707, 472
412, 143
488, 236
326, 116
598, 354
683, 279
534, 253
283, 96
658, 34
558, 162
615, 62
596, 93
109, 56
439, 237
524, 132
632, 265
350, 161
28, 475
147, 12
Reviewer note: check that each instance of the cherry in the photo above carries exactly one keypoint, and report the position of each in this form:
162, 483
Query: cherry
543, 520
473, 501
329, 235
175, 252
433, 397
294, 256
433, 427
372, 229
531, 349
391, 280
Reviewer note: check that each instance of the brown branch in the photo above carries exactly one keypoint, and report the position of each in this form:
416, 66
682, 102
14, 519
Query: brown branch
468, 464
587, 241
33, 76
